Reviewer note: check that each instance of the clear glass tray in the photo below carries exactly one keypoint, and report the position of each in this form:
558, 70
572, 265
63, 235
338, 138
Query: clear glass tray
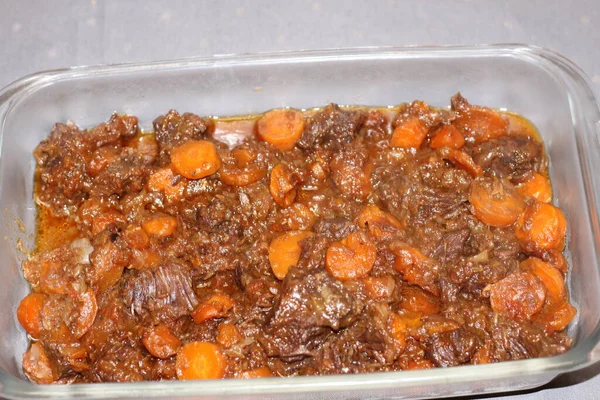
539, 84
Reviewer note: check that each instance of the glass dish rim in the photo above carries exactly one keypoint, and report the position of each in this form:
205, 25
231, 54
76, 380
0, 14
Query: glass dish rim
578, 357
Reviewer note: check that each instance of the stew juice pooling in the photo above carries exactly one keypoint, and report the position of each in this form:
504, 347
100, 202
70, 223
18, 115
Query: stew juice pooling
340, 240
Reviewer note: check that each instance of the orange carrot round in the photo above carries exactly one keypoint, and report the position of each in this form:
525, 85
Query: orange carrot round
518, 296
555, 318
541, 227
228, 335
284, 252
397, 330
381, 225
29, 313
550, 277
538, 187
447, 136
216, 306
495, 202
282, 185
480, 124
88, 308
281, 127
160, 225
242, 167
38, 366
417, 300
165, 181
195, 159
161, 342
379, 287
409, 133
351, 258
200, 360
461, 160
262, 372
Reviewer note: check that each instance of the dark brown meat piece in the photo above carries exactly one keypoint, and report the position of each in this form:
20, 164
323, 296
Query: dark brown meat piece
161, 294
452, 348
515, 157
331, 128
61, 165
311, 307
349, 171
122, 361
173, 129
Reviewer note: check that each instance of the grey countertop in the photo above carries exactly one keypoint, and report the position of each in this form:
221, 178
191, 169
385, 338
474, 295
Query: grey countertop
40, 35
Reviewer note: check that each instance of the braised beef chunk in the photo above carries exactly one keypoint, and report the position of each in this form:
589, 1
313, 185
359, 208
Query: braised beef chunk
515, 157
331, 241
331, 128
452, 348
163, 293
61, 168
311, 307
174, 129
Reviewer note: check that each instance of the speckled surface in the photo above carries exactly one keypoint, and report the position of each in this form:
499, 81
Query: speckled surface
40, 35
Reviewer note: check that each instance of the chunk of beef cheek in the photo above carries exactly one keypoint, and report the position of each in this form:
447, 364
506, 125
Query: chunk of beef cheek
125, 175
173, 129
451, 245
61, 167
452, 348
310, 308
365, 346
121, 361
517, 341
349, 170
335, 228
516, 157
161, 294
332, 128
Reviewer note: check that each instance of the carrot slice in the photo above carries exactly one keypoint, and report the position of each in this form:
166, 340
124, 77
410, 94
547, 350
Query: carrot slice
538, 187
379, 287
282, 185
281, 127
161, 342
262, 372
541, 227
518, 296
242, 167
29, 313
496, 202
480, 124
216, 306
284, 252
228, 335
410, 133
397, 330
550, 277
461, 160
447, 136
380, 224
38, 366
165, 181
351, 258
88, 308
200, 360
417, 300
556, 258
195, 159
416, 268
555, 318
160, 225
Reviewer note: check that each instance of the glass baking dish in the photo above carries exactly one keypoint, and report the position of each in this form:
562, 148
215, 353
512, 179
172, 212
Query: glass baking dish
539, 84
